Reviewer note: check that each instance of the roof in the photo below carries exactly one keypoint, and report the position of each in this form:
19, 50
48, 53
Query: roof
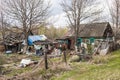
13, 38
91, 30
34, 38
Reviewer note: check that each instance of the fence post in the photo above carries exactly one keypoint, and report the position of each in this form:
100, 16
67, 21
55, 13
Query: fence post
65, 57
45, 58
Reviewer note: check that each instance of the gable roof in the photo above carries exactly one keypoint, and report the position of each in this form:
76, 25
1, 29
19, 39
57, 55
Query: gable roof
91, 30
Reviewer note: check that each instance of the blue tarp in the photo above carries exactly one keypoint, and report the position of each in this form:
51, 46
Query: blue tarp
32, 39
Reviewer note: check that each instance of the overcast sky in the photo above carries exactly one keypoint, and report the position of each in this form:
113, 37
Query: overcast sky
56, 8
58, 16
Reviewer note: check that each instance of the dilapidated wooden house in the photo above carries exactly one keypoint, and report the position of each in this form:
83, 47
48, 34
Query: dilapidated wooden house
89, 33
13, 42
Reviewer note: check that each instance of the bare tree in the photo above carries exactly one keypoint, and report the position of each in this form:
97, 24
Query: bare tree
2, 26
27, 13
114, 9
78, 11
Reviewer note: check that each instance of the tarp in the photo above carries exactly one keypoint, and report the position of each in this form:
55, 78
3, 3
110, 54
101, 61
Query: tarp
32, 39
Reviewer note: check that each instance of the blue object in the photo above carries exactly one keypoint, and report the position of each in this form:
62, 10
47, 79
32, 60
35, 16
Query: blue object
32, 39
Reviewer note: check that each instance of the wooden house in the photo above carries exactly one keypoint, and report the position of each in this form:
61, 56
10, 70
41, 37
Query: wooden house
13, 42
89, 33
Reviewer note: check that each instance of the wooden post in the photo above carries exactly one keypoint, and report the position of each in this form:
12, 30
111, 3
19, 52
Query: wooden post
0, 70
45, 58
65, 57
46, 62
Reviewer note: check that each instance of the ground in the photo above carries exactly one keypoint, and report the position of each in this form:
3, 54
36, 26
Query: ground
98, 68
10, 64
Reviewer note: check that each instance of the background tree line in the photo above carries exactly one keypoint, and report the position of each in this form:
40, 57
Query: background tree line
53, 32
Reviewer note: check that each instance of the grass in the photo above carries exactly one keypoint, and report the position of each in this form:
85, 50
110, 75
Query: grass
15, 72
9, 61
101, 68
14, 58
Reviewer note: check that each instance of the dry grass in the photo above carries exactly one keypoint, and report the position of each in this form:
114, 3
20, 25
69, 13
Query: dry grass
101, 68
101, 59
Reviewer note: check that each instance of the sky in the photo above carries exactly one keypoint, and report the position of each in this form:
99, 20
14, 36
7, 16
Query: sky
56, 8
58, 18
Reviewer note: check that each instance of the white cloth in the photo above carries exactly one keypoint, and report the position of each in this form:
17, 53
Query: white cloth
25, 62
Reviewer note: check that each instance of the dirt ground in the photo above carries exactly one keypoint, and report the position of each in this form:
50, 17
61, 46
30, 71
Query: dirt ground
12, 71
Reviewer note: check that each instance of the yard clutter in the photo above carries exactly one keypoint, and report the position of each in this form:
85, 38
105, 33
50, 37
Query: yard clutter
56, 52
27, 62
37, 44
104, 49
38, 50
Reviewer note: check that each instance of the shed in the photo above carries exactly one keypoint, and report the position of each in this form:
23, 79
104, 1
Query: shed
13, 42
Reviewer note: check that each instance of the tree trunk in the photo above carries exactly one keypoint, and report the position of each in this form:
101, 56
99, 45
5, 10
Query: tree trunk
76, 37
26, 41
